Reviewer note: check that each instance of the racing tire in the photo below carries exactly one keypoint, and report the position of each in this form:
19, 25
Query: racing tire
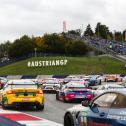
64, 100
3, 106
57, 96
116, 80
68, 120
100, 82
40, 107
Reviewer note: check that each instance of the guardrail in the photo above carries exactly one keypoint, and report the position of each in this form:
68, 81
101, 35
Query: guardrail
118, 58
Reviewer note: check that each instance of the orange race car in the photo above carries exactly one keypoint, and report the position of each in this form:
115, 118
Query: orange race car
113, 78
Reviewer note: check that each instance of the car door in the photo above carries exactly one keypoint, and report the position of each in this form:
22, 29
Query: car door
99, 108
117, 112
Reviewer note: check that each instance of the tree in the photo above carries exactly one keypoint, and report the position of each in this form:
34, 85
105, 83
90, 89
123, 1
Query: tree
88, 31
118, 36
54, 43
4, 49
102, 31
21, 47
75, 32
97, 29
79, 48
124, 35
76, 48
110, 36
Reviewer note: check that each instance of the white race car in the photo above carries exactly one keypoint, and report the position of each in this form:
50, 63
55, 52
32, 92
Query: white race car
124, 79
51, 84
108, 87
69, 78
80, 81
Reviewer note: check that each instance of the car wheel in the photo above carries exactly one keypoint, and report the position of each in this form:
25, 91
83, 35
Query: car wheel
3, 106
40, 107
57, 96
68, 120
64, 100
100, 82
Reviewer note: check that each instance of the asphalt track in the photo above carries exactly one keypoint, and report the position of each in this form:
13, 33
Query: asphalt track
54, 110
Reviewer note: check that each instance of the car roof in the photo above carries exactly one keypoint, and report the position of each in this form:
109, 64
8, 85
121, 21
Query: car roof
77, 79
109, 75
74, 84
22, 81
123, 92
71, 76
112, 85
3, 78
50, 78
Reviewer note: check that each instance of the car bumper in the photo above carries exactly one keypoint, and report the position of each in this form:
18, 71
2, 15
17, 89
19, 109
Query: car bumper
17, 101
92, 83
49, 91
110, 80
76, 99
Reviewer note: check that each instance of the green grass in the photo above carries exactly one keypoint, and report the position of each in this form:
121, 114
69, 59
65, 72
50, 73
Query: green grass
75, 65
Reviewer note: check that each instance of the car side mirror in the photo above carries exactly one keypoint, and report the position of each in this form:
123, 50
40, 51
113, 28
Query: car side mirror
85, 103
94, 108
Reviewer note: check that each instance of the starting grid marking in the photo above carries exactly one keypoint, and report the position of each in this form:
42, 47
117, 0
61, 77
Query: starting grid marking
26, 119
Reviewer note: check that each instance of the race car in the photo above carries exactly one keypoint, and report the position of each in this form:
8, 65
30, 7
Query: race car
51, 85
108, 87
80, 81
74, 92
124, 79
108, 109
69, 78
22, 93
93, 80
113, 78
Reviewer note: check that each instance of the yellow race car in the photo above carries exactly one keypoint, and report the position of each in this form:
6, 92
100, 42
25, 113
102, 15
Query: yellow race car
22, 92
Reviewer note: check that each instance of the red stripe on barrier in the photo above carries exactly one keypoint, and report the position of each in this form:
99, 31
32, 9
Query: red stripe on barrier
20, 117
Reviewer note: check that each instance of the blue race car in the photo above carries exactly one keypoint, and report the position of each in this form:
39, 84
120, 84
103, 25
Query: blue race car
107, 109
93, 80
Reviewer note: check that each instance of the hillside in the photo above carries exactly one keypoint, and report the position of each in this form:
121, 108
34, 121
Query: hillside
75, 65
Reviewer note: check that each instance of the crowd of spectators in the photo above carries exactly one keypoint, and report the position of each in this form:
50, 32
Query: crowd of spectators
104, 45
107, 46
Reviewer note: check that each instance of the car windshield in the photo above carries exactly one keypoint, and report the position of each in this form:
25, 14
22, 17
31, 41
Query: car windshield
50, 81
15, 86
101, 88
116, 87
80, 86
111, 87
77, 81
3, 79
